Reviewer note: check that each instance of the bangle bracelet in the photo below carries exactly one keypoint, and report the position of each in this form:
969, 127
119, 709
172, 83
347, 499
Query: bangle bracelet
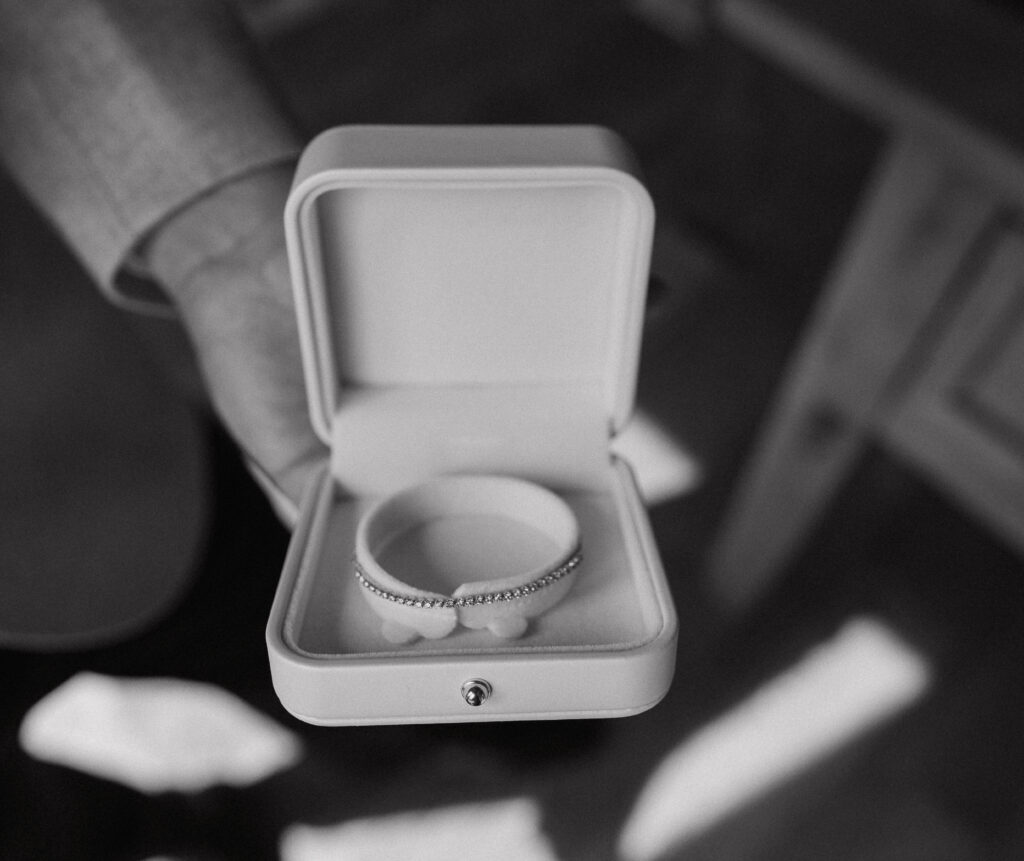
501, 603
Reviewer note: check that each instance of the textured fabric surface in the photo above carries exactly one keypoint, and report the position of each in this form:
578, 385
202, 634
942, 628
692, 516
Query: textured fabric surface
115, 114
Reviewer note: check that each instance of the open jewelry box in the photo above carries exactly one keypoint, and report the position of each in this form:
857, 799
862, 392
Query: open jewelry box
470, 301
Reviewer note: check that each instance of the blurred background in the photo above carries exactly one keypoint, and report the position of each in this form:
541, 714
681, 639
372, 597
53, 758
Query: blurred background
832, 446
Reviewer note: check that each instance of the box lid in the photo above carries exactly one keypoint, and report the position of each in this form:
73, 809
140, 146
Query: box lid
470, 257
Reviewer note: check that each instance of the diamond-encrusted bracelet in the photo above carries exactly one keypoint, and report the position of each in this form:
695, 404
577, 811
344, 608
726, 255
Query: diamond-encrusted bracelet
496, 602
523, 591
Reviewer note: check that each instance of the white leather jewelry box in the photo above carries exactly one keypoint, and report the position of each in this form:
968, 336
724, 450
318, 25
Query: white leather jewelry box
470, 300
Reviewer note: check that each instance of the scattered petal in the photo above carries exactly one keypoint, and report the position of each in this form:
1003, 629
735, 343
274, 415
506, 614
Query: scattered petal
156, 735
663, 468
838, 691
497, 831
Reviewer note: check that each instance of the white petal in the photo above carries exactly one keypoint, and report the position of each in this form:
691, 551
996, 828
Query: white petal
497, 831
664, 469
156, 735
839, 690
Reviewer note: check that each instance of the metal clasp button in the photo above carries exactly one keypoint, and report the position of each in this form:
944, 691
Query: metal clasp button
476, 691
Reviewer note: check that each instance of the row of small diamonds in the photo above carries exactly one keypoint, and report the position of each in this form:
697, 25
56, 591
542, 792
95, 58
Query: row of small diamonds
470, 600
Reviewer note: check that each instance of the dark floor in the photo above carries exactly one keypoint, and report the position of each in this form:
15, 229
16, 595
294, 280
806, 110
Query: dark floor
754, 179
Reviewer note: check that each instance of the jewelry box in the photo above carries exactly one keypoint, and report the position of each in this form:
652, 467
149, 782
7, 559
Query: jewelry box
470, 303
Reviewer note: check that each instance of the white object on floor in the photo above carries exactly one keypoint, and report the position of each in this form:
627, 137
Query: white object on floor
664, 469
156, 734
838, 691
498, 831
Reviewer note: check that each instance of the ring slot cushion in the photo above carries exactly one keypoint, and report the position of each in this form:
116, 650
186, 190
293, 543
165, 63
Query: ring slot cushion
470, 300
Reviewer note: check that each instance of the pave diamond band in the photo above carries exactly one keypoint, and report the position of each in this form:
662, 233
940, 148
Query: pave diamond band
459, 514
522, 591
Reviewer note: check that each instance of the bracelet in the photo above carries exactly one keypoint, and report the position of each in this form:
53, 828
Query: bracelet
502, 604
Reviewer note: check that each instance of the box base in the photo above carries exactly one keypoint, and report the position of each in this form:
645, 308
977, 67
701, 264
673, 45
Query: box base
606, 650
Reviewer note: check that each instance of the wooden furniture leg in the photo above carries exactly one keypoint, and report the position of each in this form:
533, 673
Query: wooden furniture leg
917, 225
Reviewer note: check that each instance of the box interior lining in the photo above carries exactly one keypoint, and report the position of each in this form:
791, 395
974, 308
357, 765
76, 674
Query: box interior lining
611, 606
